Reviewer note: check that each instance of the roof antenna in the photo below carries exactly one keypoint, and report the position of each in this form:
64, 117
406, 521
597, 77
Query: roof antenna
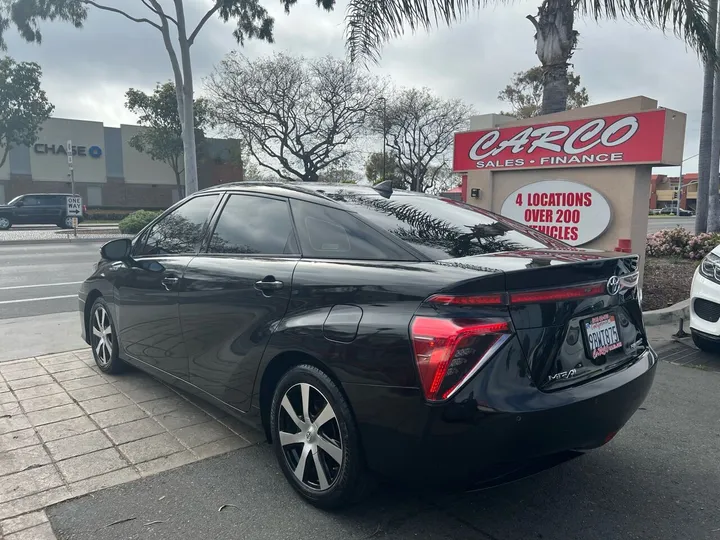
384, 188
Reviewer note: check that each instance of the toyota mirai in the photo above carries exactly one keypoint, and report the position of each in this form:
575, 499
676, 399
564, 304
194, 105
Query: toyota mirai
374, 333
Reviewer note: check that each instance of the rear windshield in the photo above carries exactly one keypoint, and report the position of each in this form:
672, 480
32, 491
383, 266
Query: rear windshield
443, 228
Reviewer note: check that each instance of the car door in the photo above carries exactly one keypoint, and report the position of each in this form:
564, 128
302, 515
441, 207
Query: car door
146, 289
29, 211
235, 291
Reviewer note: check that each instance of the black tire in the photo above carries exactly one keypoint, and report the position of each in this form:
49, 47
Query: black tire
346, 482
704, 344
5, 223
106, 356
62, 224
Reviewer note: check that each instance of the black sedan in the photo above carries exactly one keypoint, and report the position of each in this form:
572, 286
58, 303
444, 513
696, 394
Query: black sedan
374, 333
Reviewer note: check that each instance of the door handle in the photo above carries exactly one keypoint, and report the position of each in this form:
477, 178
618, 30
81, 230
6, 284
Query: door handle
269, 284
170, 282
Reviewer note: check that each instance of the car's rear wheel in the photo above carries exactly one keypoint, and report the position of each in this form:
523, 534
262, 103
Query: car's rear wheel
103, 338
315, 439
5, 223
704, 344
66, 223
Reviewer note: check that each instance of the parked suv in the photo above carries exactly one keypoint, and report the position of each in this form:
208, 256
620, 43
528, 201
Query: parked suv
38, 209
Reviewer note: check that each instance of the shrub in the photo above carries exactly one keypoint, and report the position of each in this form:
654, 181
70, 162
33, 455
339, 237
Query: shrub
678, 242
134, 223
668, 243
702, 244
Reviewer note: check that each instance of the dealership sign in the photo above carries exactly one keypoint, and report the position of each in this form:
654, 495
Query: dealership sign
568, 211
611, 140
59, 149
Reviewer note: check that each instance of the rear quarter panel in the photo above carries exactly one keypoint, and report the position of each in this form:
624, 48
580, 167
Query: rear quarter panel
387, 293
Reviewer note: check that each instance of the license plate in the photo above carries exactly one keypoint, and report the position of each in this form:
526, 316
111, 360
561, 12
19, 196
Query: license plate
602, 335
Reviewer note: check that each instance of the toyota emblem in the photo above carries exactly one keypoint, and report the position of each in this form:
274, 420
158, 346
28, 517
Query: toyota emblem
613, 285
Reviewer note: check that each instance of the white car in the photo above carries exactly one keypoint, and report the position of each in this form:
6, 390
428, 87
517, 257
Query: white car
705, 303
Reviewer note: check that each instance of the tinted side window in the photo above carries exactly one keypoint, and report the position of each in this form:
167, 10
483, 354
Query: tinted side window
329, 233
31, 201
254, 225
180, 231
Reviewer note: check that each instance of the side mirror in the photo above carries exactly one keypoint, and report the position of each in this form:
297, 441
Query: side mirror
116, 250
19, 204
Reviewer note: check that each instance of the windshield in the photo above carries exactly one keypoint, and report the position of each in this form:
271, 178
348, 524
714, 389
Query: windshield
16, 199
443, 228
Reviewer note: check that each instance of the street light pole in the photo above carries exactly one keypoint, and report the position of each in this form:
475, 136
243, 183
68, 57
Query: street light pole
680, 186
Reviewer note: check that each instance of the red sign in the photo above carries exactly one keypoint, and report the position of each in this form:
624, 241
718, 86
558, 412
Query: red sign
612, 140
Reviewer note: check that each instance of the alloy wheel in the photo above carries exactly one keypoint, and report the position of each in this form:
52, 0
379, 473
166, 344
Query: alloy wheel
102, 336
309, 435
4, 223
69, 222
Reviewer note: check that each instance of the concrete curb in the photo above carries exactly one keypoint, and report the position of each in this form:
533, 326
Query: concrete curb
668, 315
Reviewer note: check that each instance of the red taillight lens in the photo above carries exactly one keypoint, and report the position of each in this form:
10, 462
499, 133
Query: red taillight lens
557, 295
448, 352
497, 299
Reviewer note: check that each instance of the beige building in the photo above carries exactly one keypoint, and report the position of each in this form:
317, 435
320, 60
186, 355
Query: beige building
107, 171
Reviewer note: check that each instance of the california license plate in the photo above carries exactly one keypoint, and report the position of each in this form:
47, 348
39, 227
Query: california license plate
602, 335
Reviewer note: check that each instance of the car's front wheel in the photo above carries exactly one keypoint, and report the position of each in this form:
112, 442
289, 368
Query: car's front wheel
315, 439
103, 338
704, 344
5, 223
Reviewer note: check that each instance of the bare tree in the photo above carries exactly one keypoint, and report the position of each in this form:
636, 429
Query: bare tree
296, 116
420, 128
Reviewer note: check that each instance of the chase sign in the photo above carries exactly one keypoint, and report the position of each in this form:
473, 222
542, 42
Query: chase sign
80, 151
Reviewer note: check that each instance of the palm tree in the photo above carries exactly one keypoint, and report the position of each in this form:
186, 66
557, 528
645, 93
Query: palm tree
706, 132
370, 23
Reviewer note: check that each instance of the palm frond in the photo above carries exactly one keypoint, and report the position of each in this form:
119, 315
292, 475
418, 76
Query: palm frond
687, 19
371, 23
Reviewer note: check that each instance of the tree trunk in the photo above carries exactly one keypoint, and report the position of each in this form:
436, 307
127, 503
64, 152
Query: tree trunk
713, 218
706, 131
555, 42
189, 148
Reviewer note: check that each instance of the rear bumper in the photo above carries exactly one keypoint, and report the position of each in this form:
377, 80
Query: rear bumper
500, 418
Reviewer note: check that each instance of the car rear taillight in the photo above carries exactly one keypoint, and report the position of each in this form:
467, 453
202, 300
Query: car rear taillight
448, 352
575, 292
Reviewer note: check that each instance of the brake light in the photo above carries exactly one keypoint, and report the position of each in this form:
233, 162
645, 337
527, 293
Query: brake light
449, 352
497, 299
556, 295
524, 297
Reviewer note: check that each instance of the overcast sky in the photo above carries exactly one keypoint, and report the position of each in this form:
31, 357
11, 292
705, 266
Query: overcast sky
86, 72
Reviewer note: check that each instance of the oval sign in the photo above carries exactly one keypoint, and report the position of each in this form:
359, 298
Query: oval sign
568, 211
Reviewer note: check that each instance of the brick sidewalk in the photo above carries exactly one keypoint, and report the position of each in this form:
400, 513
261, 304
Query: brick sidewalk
66, 429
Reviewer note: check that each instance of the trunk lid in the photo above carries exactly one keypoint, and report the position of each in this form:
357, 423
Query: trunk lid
571, 322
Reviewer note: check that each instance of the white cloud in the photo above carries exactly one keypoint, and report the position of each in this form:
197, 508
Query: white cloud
86, 72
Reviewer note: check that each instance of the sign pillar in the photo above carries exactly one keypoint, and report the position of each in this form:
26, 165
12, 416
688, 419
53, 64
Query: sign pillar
582, 176
68, 149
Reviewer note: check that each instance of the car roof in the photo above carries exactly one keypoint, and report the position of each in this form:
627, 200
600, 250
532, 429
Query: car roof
36, 194
309, 191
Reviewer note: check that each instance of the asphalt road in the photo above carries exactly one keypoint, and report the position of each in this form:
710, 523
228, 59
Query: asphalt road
38, 296
657, 223
38, 279
658, 479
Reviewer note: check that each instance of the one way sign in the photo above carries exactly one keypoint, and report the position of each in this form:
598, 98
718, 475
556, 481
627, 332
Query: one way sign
74, 206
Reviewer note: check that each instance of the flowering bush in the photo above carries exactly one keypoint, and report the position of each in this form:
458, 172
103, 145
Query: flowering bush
679, 242
702, 244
